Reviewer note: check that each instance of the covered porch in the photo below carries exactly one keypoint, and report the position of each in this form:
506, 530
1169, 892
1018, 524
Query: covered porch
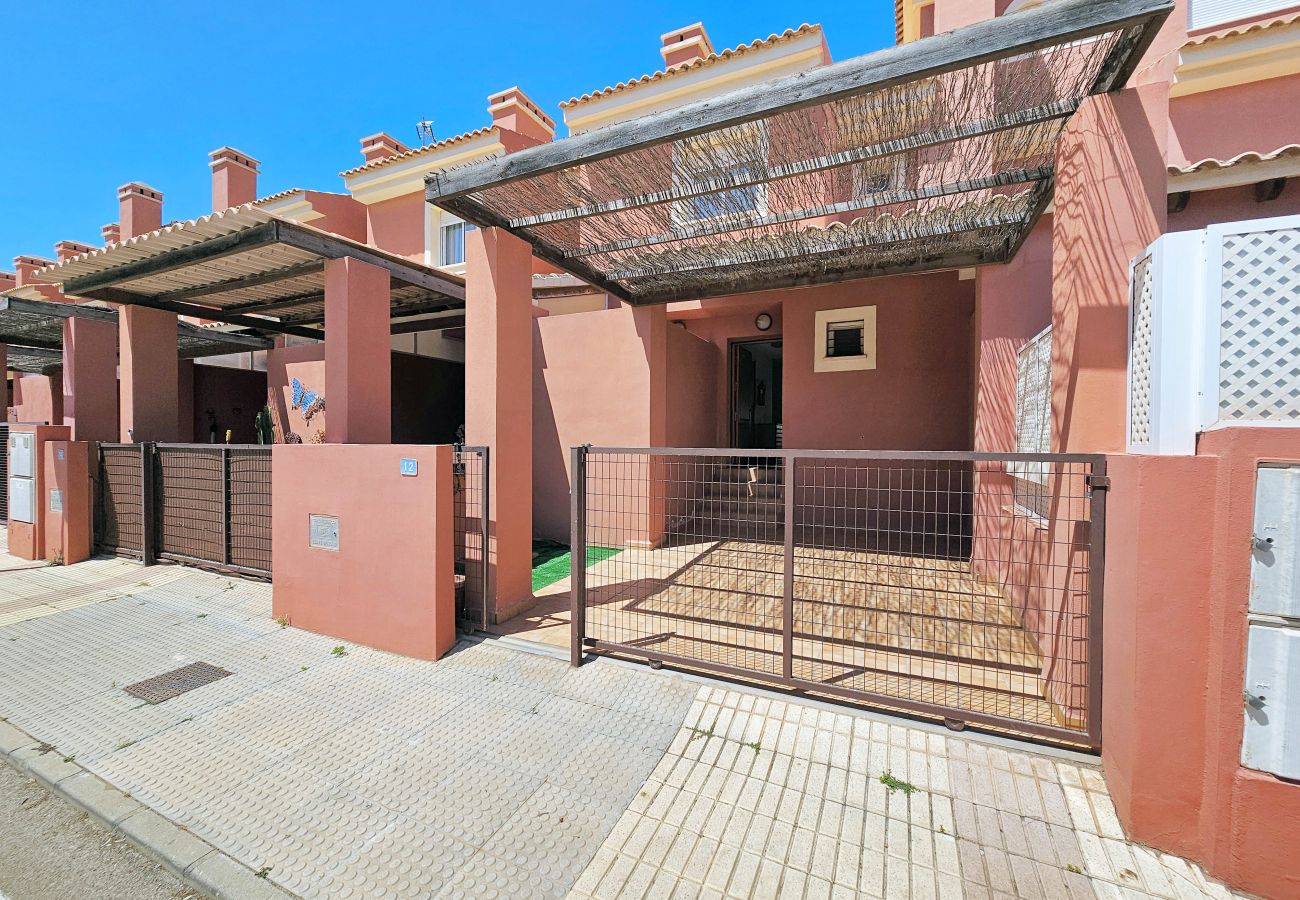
917, 571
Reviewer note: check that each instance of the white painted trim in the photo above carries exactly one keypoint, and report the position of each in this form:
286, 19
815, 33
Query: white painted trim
295, 208
1253, 55
823, 319
406, 177
798, 53
1239, 174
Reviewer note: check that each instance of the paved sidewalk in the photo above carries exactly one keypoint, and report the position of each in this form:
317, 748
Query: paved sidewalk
497, 772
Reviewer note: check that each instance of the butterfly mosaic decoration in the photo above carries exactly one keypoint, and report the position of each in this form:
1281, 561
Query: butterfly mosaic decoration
308, 403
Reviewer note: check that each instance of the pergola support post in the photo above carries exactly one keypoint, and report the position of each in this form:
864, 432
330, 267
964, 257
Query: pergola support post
90, 379
499, 405
358, 354
149, 388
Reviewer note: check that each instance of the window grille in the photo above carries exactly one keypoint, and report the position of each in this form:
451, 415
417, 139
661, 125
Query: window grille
1033, 422
844, 338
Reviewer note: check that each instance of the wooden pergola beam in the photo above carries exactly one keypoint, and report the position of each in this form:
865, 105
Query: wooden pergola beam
323, 245
247, 281
1052, 24
179, 258
118, 295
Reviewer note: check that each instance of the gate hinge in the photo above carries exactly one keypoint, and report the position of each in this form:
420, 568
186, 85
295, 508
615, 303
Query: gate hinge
1098, 482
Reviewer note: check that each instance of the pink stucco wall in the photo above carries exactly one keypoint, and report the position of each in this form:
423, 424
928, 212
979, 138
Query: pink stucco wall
1221, 124
390, 585
1233, 204
1175, 661
38, 399
397, 225
306, 362
919, 395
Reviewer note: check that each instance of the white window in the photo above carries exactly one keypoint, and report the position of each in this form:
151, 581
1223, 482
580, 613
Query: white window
732, 155
451, 241
1205, 13
1033, 422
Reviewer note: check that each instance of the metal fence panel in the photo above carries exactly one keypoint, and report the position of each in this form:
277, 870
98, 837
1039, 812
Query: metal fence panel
470, 475
119, 508
4, 471
201, 504
913, 581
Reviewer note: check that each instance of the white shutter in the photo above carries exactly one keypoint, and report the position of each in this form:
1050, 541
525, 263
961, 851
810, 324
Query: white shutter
1204, 13
1034, 405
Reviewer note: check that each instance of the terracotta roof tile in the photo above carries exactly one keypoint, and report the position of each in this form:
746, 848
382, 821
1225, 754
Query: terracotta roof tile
1239, 30
1250, 156
419, 151
703, 62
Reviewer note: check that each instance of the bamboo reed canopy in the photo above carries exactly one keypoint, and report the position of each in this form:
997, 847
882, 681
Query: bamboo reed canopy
931, 155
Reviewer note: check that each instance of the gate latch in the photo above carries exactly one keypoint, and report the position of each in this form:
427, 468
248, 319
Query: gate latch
1098, 482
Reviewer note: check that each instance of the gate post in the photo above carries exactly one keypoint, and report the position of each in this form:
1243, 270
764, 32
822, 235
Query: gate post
148, 511
1098, 488
787, 594
578, 554
225, 505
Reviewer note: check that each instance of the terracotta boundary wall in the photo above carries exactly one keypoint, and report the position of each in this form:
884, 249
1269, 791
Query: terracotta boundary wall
391, 582
1177, 587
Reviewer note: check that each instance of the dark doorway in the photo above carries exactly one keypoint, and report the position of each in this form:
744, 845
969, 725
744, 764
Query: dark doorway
756, 394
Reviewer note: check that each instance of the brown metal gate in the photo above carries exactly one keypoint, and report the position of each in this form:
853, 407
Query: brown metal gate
470, 474
201, 504
4, 471
960, 586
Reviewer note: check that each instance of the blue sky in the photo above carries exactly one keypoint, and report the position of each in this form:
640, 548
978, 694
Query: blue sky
98, 94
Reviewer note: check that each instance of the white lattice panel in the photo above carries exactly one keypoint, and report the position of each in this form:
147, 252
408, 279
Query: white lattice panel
1259, 337
1141, 354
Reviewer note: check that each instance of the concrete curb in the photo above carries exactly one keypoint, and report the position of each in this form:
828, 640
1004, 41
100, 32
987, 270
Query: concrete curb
193, 860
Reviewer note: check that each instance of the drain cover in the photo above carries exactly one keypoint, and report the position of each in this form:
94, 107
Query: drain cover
176, 682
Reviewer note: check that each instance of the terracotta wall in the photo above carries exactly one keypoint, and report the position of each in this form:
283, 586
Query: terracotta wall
735, 322
591, 385
397, 225
1233, 205
38, 399
1222, 123
1175, 634
230, 398
306, 362
390, 584
919, 395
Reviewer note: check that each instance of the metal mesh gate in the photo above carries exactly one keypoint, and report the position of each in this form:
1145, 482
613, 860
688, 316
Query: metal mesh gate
470, 474
919, 582
201, 504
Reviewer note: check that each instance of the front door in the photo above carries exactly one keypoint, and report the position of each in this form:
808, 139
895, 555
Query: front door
756, 394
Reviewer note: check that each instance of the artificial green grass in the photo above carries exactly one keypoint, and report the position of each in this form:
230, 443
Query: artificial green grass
551, 561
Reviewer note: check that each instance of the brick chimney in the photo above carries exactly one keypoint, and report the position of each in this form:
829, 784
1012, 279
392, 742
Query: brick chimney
234, 178
112, 233
140, 209
381, 146
25, 266
68, 249
513, 111
685, 45
8, 280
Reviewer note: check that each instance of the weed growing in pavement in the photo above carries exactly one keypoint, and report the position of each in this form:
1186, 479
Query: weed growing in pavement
124, 745
282, 621
705, 733
754, 745
340, 650
302, 668
263, 872
203, 615
70, 758
1073, 868
895, 784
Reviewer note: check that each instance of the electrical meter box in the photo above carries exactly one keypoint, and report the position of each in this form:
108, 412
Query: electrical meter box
21, 454
1271, 737
22, 499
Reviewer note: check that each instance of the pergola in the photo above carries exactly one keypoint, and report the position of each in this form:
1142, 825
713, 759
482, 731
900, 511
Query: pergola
33, 331
246, 267
932, 155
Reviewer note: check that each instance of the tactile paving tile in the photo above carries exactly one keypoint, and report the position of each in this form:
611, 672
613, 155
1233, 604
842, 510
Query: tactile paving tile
361, 775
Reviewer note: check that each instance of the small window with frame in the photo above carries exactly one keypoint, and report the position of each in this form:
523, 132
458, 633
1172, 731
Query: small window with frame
846, 339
